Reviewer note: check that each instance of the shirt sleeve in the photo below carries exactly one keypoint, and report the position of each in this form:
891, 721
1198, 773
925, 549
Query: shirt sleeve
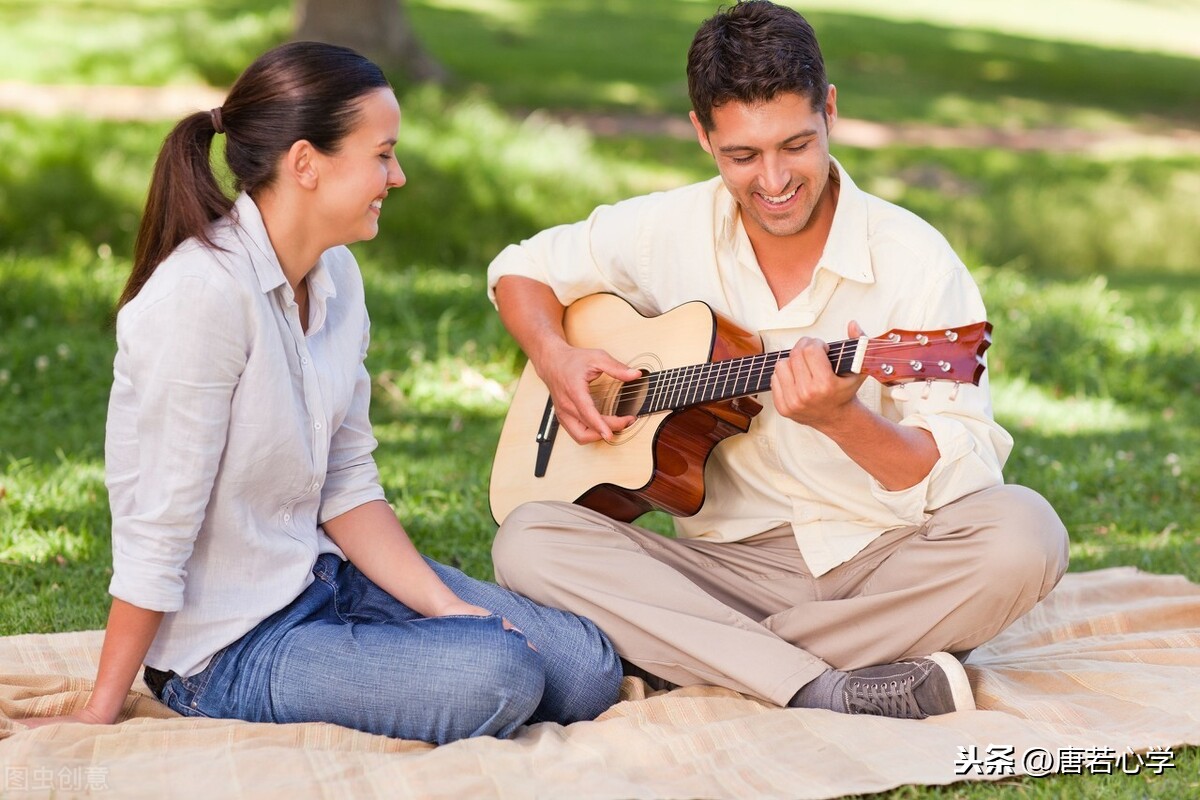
599, 254
972, 446
353, 478
179, 360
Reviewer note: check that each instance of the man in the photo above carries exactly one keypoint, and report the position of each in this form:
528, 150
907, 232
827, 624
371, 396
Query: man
858, 537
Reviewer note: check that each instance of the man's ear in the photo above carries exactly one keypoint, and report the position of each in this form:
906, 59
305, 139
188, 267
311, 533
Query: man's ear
701, 134
300, 164
830, 108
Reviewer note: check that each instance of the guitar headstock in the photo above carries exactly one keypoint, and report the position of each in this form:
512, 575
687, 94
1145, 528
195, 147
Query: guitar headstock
949, 354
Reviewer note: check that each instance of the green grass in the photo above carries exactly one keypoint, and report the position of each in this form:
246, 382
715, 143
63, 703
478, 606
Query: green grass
583, 54
1155, 26
1177, 782
1047, 213
175, 41
1088, 264
1092, 66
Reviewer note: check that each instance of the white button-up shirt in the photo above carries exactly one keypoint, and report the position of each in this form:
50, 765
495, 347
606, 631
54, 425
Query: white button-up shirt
232, 435
882, 266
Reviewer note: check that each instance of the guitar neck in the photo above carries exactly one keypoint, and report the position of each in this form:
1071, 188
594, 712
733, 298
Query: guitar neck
682, 387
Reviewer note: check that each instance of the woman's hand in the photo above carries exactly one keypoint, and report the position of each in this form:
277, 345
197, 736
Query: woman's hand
127, 638
373, 539
85, 715
460, 607
463, 608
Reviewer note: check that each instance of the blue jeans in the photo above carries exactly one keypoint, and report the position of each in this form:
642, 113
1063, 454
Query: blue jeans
347, 652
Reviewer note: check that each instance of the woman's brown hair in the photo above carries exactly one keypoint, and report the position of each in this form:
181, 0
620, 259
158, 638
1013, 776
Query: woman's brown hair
300, 90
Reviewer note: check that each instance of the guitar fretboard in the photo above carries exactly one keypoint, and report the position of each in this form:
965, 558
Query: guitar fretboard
693, 385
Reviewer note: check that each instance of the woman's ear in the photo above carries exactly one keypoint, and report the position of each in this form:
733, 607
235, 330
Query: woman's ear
300, 164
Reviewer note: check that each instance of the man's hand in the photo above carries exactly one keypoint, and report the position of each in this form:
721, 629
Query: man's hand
567, 373
533, 315
806, 389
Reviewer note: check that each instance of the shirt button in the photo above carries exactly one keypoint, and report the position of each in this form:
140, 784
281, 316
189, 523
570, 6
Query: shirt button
317, 425
287, 517
304, 361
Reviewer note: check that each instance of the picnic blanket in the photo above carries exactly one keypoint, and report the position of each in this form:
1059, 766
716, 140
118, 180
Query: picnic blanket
1101, 676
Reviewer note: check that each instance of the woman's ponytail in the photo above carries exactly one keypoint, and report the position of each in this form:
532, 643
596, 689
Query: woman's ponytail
299, 90
184, 199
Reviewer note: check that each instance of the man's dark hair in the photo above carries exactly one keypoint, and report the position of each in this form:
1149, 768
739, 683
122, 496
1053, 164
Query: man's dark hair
752, 52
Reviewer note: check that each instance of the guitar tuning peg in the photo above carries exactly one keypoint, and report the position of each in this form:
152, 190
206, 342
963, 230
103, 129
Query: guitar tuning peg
952, 336
922, 339
893, 337
954, 391
928, 388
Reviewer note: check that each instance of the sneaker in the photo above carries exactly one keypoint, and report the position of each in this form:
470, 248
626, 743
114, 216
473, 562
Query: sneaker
913, 689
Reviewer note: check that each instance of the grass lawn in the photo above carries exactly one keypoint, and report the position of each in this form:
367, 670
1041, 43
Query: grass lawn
1089, 265
928, 68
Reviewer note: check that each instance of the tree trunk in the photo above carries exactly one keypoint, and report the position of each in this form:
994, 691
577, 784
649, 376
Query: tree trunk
379, 29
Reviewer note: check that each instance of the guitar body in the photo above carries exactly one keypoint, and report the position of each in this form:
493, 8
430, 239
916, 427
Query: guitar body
655, 463
699, 375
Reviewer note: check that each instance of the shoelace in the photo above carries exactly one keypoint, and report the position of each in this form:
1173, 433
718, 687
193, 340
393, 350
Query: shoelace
883, 698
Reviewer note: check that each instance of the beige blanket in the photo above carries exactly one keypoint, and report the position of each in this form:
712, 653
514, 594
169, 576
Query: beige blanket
1105, 671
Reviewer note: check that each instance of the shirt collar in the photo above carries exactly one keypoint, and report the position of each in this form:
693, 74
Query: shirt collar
262, 254
847, 252
728, 218
264, 260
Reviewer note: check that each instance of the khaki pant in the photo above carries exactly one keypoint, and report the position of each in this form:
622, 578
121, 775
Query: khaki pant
750, 617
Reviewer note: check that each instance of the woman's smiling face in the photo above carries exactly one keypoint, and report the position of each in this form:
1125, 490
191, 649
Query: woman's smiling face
355, 180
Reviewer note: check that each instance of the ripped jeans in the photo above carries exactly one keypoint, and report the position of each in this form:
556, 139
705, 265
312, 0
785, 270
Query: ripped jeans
347, 652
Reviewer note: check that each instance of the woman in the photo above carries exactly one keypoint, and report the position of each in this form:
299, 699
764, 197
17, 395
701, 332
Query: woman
258, 571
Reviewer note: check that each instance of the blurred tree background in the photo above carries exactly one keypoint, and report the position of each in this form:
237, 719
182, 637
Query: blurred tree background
379, 29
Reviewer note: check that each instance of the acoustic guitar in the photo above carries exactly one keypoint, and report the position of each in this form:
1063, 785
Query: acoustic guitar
699, 372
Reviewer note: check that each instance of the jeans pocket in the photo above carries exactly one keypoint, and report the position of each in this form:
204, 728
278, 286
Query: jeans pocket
201, 695
178, 698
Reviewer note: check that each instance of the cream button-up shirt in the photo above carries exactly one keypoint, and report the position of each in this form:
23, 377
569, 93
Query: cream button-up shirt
882, 266
232, 435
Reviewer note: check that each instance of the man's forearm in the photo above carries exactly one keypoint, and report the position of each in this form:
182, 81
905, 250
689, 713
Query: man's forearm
532, 314
897, 456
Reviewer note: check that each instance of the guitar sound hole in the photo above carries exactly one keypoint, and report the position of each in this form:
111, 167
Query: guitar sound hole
616, 399
631, 396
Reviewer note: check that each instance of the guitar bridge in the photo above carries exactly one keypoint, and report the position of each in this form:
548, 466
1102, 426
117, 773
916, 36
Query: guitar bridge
546, 434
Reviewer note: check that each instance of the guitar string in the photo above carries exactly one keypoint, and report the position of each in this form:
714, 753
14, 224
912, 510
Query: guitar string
709, 374
702, 375
756, 360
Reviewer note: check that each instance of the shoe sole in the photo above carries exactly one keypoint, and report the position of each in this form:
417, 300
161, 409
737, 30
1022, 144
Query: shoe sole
960, 687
